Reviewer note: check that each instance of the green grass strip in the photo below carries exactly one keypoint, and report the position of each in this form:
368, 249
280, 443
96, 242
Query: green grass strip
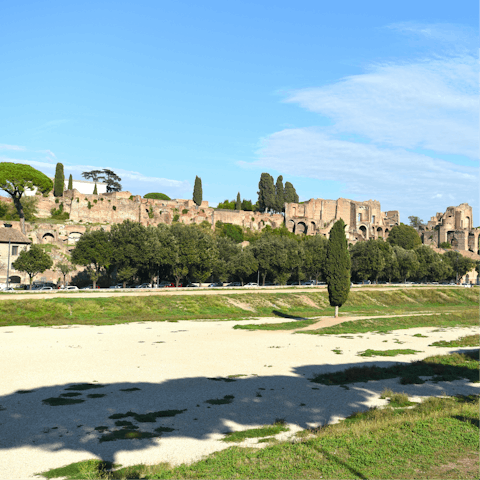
164, 307
265, 431
441, 367
467, 341
467, 318
387, 353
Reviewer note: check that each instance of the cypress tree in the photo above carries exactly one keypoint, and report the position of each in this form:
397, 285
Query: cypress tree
95, 191
290, 195
59, 182
266, 192
238, 203
70, 182
279, 195
197, 191
337, 266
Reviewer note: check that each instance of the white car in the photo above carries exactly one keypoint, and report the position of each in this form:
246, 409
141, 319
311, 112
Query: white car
45, 288
251, 284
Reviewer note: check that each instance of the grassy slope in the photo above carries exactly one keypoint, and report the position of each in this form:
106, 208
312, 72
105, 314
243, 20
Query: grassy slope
118, 309
436, 439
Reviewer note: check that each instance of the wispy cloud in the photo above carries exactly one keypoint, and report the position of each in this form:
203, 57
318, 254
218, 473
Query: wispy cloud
16, 148
384, 121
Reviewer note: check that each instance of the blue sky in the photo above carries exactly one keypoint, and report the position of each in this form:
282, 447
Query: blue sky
361, 100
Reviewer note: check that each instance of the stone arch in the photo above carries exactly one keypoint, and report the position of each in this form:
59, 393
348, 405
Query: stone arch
15, 279
74, 236
313, 227
363, 231
468, 224
48, 237
301, 228
291, 226
379, 232
386, 232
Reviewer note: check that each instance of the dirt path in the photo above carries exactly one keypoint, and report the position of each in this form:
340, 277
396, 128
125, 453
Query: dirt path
190, 291
331, 321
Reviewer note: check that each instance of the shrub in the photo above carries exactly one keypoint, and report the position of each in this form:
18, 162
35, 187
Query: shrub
131, 197
114, 207
95, 200
150, 213
445, 245
59, 214
184, 211
89, 205
157, 196
57, 200
101, 199
78, 200
176, 217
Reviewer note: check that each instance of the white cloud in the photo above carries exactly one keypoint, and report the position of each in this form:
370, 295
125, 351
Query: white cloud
382, 120
12, 147
432, 104
394, 175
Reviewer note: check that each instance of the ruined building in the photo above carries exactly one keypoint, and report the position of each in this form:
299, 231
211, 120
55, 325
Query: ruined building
364, 220
455, 227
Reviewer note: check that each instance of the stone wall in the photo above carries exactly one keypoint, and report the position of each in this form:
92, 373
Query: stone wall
364, 220
455, 227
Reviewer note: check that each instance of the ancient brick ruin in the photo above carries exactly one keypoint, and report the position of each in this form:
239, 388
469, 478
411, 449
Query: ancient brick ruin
364, 220
455, 227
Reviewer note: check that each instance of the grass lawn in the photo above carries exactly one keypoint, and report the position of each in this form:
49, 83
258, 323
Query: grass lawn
437, 438
164, 307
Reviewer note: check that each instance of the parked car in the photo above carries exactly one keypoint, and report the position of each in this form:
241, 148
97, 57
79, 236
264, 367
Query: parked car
8, 289
217, 284
234, 284
309, 283
251, 284
144, 285
172, 285
45, 288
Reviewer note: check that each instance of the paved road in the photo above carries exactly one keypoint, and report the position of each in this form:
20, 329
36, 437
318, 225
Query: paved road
104, 293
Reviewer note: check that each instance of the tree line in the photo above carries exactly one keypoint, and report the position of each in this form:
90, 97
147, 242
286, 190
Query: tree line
183, 253
271, 196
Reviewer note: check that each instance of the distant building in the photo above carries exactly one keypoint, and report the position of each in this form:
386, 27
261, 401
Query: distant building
17, 241
83, 186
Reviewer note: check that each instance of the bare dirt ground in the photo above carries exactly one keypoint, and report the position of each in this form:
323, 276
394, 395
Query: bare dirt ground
213, 378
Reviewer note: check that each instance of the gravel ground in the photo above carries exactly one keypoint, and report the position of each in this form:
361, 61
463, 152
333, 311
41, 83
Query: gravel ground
151, 367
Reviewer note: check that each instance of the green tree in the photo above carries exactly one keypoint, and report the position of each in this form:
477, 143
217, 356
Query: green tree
32, 262
266, 193
30, 210
460, 265
128, 241
368, 260
70, 182
337, 266
431, 265
15, 178
196, 253
95, 190
279, 195
157, 196
407, 262
197, 191
59, 183
315, 250
64, 268
244, 264
247, 206
290, 195
107, 176
226, 205
415, 222
238, 203
235, 232
228, 249
94, 251
163, 248
404, 236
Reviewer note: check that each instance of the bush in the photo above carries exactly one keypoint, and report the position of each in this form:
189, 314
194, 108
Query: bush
445, 245
114, 207
184, 211
89, 205
59, 214
176, 217
157, 196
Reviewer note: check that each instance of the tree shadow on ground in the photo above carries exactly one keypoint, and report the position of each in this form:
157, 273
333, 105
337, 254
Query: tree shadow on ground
104, 419
278, 313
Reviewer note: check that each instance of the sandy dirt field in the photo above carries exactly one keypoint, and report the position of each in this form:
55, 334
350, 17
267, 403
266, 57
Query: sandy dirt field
182, 366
